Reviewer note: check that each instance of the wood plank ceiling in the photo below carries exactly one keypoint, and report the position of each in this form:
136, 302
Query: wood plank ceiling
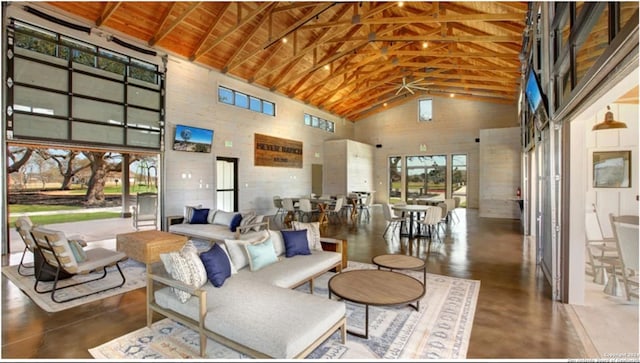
348, 58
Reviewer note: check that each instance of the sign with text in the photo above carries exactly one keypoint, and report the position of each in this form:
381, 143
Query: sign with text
274, 151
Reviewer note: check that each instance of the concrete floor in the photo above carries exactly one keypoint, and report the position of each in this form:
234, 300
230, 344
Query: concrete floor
515, 317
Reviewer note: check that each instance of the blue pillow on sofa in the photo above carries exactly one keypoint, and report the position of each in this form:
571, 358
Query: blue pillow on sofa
217, 265
296, 243
235, 222
199, 216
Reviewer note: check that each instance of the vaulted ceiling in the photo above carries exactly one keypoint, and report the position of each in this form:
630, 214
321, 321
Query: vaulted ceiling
352, 59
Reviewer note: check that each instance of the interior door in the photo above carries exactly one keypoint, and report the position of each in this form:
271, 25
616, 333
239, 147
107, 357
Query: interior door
227, 184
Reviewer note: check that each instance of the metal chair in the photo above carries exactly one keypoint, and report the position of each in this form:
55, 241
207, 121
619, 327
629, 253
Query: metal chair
391, 218
277, 203
336, 209
23, 227
145, 212
57, 252
305, 209
601, 251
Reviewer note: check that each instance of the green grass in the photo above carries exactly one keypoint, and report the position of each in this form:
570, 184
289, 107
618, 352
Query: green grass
66, 218
118, 190
24, 208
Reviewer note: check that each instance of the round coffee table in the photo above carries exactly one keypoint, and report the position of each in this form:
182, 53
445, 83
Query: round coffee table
378, 288
402, 262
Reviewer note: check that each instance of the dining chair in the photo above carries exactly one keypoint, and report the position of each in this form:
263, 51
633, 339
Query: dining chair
626, 235
366, 206
601, 251
336, 209
305, 209
445, 215
292, 211
391, 218
432, 218
451, 207
277, 203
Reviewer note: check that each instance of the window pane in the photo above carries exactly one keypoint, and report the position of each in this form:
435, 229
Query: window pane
314, 121
225, 95
331, 126
143, 118
143, 138
241, 100
425, 110
307, 119
39, 126
143, 97
588, 50
37, 101
97, 133
97, 87
112, 62
98, 111
143, 71
41, 75
255, 104
459, 178
395, 179
268, 108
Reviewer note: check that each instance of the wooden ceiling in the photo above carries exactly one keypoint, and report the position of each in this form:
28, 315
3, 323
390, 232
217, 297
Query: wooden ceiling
348, 58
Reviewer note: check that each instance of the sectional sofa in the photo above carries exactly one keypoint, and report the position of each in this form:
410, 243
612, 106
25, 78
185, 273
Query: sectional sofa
255, 310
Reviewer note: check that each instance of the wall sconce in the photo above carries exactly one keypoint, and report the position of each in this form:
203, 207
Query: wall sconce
186, 175
609, 122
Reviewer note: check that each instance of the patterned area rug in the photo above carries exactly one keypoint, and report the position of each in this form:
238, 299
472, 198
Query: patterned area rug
134, 272
440, 330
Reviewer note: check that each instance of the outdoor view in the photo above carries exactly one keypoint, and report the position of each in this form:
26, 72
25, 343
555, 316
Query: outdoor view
78, 185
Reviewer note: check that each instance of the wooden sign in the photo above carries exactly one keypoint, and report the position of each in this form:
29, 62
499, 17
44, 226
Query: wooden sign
274, 151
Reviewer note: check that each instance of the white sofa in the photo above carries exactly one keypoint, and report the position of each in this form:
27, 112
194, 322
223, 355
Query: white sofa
257, 312
217, 227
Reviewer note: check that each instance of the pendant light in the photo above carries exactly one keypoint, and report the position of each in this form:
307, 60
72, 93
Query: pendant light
609, 122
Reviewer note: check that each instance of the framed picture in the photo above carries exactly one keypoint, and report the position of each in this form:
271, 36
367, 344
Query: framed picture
612, 169
193, 139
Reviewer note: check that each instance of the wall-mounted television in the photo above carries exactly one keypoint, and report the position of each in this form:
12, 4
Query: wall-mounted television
193, 139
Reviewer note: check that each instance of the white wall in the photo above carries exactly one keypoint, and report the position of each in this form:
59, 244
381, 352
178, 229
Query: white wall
348, 167
192, 100
500, 159
456, 125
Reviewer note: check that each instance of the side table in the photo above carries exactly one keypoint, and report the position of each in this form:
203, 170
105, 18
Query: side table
146, 246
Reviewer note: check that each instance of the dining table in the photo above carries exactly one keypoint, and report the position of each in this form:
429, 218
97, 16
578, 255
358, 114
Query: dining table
321, 203
414, 210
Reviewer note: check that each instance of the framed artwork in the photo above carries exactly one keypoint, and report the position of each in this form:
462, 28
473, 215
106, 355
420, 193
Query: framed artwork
612, 169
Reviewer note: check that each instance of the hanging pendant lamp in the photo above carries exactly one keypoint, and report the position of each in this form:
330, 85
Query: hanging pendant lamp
609, 122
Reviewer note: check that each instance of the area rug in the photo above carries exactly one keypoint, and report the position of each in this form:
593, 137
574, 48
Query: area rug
440, 330
134, 272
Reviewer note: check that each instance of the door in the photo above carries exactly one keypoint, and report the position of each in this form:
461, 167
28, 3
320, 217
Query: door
316, 179
227, 184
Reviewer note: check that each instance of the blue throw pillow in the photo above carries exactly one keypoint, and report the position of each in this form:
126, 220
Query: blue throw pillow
199, 216
296, 243
235, 222
217, 265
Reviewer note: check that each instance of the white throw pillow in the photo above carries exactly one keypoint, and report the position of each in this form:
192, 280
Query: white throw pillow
278, 242
313, 233
238, 252
223, 217
188, 212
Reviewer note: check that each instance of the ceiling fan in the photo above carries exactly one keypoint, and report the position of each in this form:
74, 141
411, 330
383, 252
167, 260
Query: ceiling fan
412, 85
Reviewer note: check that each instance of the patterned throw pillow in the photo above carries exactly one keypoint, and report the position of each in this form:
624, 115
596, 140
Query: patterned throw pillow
185, 266
313, 233
247, 219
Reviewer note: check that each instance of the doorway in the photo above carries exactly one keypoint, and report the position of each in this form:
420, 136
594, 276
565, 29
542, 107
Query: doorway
227, 184
316, 179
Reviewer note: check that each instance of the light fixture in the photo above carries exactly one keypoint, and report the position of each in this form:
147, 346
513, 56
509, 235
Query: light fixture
284, 40
609, 122
425, 45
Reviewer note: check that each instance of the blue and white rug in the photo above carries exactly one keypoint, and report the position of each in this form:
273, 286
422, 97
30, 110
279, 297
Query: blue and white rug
440, 330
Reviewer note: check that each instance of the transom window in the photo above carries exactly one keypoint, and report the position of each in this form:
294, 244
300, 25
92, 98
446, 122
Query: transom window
425, 110
232, 97
315, 121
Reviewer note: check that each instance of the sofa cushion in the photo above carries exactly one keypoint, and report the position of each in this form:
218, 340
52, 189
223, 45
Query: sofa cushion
278, 322
313, 233
278, 242
199, 216
260, 254
214, 232
296, 243
217, 264
188, 212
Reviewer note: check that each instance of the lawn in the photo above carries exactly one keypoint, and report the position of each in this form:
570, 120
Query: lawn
66, 218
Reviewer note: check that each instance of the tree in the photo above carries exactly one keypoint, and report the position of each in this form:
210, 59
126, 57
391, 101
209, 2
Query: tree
68, 164
18, 158
101, 164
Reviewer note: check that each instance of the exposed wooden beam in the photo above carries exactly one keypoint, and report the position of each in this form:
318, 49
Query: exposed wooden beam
166, 30
210, 29
109, 9
229, 66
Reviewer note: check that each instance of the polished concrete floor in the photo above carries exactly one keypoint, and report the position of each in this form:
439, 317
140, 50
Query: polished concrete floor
515, 317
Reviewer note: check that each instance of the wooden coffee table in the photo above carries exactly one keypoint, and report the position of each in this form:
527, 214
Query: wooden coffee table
146, 246
401, 262
378, 288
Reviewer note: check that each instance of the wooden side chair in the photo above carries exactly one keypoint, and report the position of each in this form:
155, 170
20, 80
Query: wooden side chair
145, 212
57, 251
